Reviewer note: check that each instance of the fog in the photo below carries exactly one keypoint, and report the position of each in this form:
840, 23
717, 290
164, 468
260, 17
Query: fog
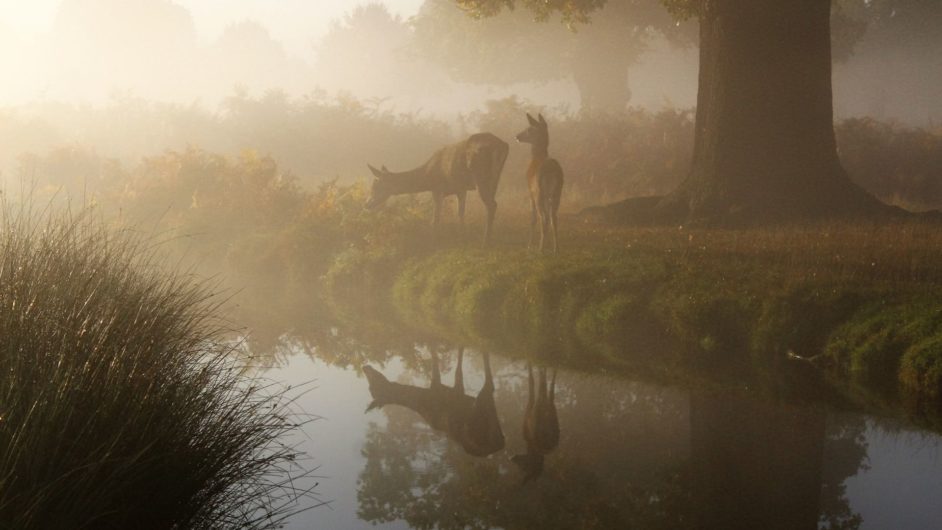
90, 51
899, 83
186, 51
87, 50
126, 79
232, 230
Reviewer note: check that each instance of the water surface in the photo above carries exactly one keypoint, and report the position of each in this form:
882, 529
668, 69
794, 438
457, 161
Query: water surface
629, 454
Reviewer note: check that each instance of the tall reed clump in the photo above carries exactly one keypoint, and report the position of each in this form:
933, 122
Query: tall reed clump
120, 406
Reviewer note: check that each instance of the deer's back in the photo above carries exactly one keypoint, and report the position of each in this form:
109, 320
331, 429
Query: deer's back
485, 145
455, 168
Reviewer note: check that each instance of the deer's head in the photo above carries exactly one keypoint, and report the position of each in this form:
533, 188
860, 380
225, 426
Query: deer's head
381, 190
537, 133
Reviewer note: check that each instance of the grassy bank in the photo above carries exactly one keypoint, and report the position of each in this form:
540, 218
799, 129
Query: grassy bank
119, 405
859, 303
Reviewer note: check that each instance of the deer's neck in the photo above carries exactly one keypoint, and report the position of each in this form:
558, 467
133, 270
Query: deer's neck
539, 152
415, 398
411, 181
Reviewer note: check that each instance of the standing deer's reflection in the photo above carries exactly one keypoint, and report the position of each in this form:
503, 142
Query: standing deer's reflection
472, 422
540, 425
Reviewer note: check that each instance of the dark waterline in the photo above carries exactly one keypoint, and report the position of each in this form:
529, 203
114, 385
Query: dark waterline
629, 453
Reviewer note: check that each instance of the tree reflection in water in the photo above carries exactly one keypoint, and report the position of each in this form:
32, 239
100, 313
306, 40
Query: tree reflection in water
630, 455
760, 464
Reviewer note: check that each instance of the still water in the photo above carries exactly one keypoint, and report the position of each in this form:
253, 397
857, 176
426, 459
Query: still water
547, 448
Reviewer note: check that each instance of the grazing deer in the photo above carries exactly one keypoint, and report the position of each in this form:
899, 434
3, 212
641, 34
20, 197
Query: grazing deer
472, 422
545, 180
453, 170
540, 425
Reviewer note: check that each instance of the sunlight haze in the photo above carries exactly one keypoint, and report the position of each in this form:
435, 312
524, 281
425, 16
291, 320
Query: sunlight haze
517, 264
296, 22
41, 64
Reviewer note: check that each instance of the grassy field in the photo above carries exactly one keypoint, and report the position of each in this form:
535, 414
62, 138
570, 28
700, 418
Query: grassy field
120, 405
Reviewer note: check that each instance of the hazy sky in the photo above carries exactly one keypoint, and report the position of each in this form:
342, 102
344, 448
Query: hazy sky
297, 23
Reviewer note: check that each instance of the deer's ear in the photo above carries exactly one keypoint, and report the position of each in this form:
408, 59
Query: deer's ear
376, 173
385, 169
531, 120
542, 120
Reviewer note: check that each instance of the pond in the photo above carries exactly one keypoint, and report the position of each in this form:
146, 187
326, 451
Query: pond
543, 448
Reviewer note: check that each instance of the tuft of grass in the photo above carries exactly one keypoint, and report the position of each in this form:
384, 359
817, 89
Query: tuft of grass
120, 405
921, 367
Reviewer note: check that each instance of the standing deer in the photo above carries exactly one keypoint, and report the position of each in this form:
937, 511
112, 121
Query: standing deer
540, 425
453, 170
544, 179
472, 422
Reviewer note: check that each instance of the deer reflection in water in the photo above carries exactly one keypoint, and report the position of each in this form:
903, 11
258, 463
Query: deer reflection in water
470, 421
540, 425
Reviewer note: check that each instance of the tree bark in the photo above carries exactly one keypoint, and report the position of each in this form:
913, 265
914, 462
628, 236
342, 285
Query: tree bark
764, 142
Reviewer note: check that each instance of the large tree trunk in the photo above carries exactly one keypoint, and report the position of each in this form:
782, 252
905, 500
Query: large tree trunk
764, 145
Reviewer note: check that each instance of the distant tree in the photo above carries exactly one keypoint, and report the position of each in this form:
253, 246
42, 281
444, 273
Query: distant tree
898, 43
144, 45
365, 53
910, 24
249, 41
506, 49
847, 28
896, 22
764, 145
246, 55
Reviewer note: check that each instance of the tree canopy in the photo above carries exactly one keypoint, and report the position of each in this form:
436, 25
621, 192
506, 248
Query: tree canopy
506, 48
367, 51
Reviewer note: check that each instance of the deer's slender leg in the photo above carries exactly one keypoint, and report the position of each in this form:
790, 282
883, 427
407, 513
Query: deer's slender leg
491, 212
532, 223
530, 395
552, 389
555, 232
487, 194
544, 221
542, 395
488, 377
459, 373
436, 371
461, 203
437, 199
